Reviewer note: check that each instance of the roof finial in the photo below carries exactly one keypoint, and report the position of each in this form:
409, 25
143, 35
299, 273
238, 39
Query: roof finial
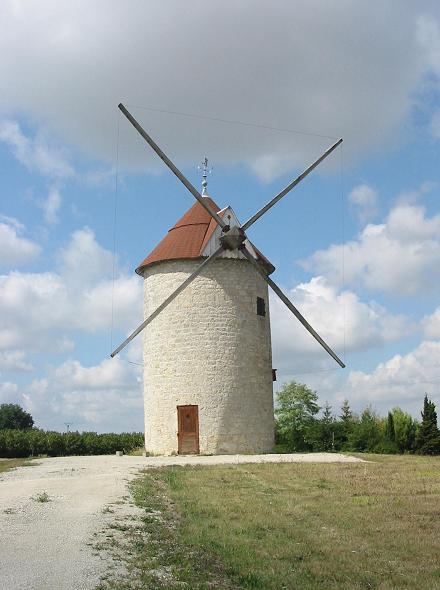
206, 170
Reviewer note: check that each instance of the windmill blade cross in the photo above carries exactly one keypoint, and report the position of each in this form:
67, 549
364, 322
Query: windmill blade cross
292, 308
290, 186
168, 300
172, 167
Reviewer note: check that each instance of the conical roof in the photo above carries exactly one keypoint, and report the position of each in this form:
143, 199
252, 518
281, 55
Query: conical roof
188, 237
185, 239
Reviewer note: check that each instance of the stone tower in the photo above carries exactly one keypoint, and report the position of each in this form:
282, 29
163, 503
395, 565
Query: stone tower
207, 356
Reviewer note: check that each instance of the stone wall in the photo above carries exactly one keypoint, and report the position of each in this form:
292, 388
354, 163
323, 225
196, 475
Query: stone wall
208, 348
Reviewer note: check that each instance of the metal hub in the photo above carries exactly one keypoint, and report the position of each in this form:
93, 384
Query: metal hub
233, 239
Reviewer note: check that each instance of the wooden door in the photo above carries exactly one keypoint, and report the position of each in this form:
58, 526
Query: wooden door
188, 429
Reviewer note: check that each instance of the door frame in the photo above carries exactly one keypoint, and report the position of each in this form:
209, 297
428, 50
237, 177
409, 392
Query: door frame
179, 409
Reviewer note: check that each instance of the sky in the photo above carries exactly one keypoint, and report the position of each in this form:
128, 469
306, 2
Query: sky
261, 89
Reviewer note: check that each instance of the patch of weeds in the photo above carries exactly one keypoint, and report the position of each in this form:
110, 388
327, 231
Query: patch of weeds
42, 497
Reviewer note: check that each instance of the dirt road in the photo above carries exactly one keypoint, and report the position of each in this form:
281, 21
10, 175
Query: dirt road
45, 545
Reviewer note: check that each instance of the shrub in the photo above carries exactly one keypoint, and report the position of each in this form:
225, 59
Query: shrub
31, 442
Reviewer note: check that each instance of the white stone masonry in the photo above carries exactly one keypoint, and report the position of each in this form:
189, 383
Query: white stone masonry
208, 348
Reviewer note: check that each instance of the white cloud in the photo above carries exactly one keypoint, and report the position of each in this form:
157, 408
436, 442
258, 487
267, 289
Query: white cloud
104, 397
412, 197
83, 260
36, 154
9, 393
431, 324
12, 221
38, 310
51, 206
364, 197
428, 34
340, 318
400, 256
15, 250
402, 380
298, 65
14, 361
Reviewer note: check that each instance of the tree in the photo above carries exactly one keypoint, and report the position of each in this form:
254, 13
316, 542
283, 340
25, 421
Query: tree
13, 417
325, 430
295, 412
366, 432
346, 422
428, 436
389, 431
346, 413
405, 428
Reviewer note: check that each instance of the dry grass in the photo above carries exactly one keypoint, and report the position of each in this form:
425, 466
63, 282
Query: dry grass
318, 526
6, 464
297, 526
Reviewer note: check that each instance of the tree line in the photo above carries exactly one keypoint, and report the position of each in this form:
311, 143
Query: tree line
300, 427
19, 438
33, 442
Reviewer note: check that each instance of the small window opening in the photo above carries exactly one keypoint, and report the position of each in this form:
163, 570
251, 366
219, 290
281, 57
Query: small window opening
261, 306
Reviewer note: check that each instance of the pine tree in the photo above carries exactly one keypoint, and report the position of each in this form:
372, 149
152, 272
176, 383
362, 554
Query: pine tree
428, 436
346, 423
325, 430
346, 413
390, 432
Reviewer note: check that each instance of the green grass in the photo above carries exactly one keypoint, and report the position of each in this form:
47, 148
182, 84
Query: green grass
290, 526
6, 464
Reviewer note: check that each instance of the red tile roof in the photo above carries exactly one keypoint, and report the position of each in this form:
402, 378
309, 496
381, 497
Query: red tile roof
188, 238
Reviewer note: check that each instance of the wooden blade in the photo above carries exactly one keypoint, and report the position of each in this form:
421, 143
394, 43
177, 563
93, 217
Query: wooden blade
168, 300
289, 187
292, 308
172, 167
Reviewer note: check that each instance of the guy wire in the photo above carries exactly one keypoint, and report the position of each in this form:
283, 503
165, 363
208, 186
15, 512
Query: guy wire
114, 228
344, 315
230, 121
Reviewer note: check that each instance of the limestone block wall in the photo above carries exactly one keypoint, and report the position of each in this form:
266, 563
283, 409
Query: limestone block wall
208, 348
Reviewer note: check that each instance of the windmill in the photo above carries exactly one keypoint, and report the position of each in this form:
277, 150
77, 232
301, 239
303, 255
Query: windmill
207, 357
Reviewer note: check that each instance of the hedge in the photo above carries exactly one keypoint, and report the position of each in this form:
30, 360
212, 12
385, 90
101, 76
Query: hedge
32, 442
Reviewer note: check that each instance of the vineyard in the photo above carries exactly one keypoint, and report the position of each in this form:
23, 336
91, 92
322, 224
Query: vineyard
33, 442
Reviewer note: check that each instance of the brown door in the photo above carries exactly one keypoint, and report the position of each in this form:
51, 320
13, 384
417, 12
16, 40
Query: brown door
188, 429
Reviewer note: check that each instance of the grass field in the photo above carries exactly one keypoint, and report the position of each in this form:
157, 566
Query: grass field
289, 526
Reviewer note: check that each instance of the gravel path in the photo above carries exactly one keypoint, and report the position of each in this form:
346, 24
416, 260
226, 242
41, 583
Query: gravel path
45, 545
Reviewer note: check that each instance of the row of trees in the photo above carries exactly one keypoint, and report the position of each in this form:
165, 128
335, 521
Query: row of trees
34, 442
18, 438
298, 427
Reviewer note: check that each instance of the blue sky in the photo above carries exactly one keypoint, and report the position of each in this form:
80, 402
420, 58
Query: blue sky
356, 245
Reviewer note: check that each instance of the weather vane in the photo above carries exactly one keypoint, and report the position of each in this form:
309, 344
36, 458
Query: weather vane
205, 169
